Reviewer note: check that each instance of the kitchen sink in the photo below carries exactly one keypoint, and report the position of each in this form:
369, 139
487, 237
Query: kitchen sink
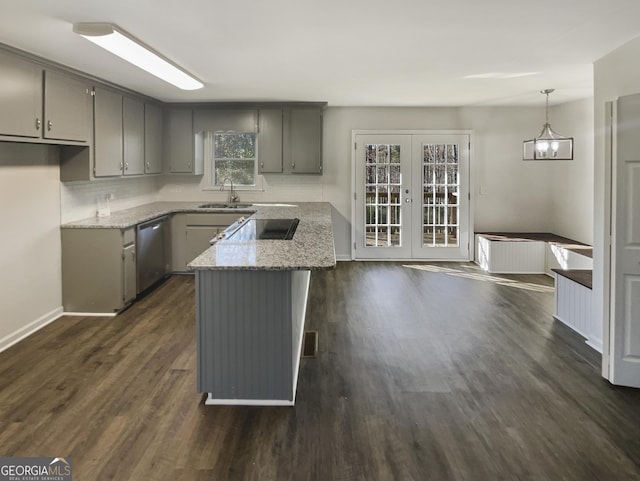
224, 206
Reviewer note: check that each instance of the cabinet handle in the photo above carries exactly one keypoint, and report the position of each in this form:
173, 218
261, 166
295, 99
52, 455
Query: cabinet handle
49, 125
121, 166
293, 165
38, 124
148, 165
262, 165
126, 166
188, 165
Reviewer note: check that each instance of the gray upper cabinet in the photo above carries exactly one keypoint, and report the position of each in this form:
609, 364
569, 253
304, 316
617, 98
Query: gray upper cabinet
42, 105
67, 108
133, 136
108, 142
270, 141
290, 140
20, 97
302, 141
152, 139
183, 152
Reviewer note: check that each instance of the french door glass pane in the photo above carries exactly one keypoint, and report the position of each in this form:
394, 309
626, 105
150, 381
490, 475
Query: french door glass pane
383, 181
440, 201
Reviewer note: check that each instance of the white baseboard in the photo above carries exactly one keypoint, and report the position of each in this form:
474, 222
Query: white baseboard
343, 257
17, 336
211, 401
91, 314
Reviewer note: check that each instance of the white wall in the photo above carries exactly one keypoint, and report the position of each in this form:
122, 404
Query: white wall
30, 259
519, 195
79, 200
572, 194
616, 74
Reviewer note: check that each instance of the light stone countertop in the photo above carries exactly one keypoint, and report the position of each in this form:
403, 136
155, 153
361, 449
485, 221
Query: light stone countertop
124, 219
312, 246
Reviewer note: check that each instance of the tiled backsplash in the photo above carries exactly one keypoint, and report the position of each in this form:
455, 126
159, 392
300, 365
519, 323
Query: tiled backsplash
80, 200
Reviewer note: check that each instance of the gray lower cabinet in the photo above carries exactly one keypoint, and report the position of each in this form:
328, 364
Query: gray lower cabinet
290, 140
191, 234
98, 269
152, 139
129, 271
108, 136
133, 136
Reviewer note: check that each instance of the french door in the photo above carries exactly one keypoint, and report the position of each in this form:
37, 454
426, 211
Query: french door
411, 196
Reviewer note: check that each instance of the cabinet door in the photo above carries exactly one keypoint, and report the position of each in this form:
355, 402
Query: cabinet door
152, 139
270, 141
133, 136
179, 138
302, 141
107, 143
129, 273
20, 97
198, 238
67, 108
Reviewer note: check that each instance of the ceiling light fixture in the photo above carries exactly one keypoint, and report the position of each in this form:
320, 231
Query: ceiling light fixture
548, 145
120, 43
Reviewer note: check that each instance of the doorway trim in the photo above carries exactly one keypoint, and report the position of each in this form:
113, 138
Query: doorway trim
356, 132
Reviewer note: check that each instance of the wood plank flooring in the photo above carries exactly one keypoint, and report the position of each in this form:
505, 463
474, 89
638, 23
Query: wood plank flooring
428, 372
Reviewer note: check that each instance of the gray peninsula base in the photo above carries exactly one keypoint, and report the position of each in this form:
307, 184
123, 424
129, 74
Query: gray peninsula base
250, 325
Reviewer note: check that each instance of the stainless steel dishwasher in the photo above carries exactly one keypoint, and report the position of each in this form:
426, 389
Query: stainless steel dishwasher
153, 251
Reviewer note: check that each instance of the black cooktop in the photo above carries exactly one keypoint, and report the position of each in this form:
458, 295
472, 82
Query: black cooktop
263, 229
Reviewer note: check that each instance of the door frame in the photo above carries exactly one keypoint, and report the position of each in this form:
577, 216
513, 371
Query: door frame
472, 169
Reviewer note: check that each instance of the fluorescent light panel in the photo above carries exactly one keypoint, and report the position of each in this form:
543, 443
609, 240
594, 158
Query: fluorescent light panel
120, 43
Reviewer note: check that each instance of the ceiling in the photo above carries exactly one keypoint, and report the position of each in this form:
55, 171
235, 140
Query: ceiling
345, 52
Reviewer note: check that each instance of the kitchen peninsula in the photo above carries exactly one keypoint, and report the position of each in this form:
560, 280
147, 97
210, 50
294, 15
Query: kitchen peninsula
251, 296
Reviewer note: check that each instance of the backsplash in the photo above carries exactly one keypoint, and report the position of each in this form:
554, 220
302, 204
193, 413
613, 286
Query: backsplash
80, 200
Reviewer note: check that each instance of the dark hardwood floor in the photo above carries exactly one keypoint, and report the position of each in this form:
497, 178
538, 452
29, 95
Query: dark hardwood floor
424, 372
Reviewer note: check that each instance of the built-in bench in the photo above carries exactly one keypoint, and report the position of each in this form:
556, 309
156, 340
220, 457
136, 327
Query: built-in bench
573, 304
569, 261
530, 253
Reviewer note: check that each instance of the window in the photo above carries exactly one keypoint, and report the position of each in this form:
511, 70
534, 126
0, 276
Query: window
234, 158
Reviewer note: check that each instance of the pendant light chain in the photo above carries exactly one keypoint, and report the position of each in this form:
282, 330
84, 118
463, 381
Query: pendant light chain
546, 111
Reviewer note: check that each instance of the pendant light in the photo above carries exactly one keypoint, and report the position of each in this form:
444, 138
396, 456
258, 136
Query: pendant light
548, 144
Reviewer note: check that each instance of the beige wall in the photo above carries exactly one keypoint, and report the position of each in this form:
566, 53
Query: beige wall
30, 272
572, 194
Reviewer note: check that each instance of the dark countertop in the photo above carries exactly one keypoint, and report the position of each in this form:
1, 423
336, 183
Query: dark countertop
581, 276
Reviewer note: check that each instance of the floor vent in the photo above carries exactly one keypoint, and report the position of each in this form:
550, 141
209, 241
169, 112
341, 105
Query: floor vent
310, 344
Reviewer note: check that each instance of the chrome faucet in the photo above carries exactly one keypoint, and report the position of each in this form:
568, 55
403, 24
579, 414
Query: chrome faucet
233, 195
